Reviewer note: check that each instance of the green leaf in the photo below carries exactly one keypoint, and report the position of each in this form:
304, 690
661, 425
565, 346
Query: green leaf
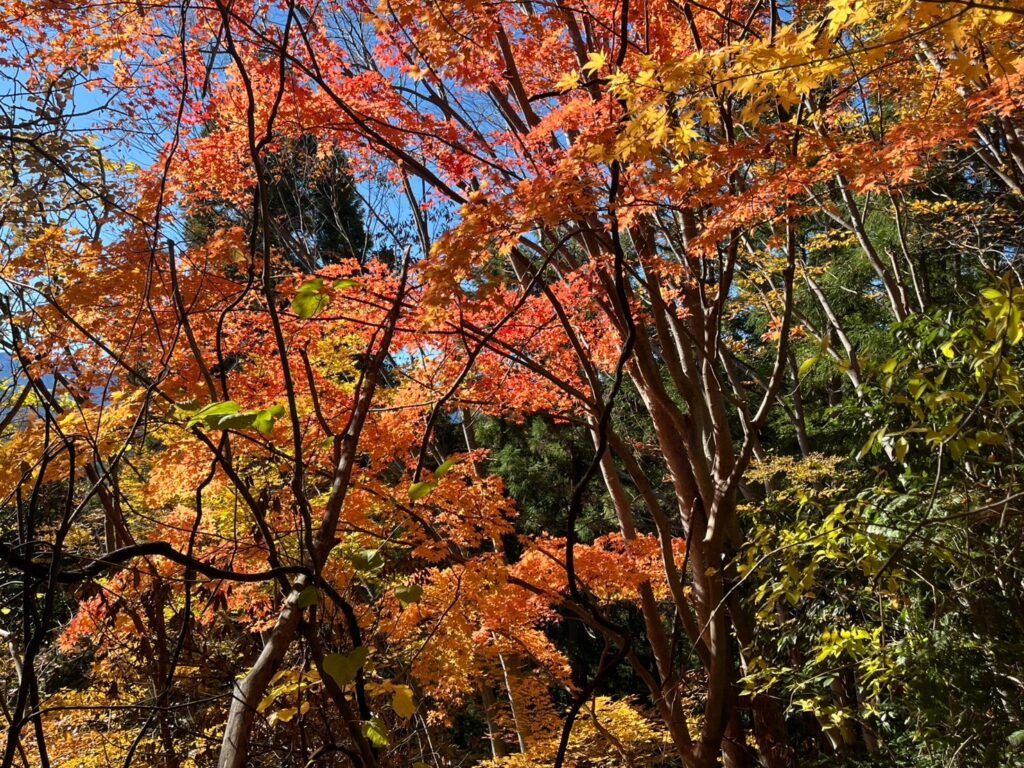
806, 365
310, 299
227, 416
1016, 739
367, 560
377, 732
900, 449
307, 597
993, 294
409, 594
443, 469
344, 668
213, 410
232, 421
309, 305
871, 442
419, 491
1015, 328
985, 437
264, 420
345, 283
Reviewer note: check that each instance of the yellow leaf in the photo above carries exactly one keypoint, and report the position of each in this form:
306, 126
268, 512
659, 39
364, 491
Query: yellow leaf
684, 136
861, 15
402, 702
841, 10
595, 62
954, 33
646, 77
806, 84
568, 82
751, 112
284, 715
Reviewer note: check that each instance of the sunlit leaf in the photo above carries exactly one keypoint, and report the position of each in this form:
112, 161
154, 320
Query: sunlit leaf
344, 668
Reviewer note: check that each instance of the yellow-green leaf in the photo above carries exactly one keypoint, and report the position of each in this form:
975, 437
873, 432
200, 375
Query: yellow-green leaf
402, 702
344, 668
419, 491
408, 594
377, 732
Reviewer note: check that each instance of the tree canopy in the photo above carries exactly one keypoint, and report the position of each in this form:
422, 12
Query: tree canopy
460, 383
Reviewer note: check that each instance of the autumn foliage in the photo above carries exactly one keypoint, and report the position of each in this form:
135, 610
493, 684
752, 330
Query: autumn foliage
287, 286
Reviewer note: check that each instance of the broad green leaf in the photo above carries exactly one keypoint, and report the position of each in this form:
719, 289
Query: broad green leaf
264, 420
310, 299
1016, 739
232, 421
227, 416
213, 410
418, 491
367, 560
985, 437
993, 294
377, 732
344, 668
900, 449
1015, 329
345, 283
443, 469
307, 597
870, 443
806, 365
409, 594
309, 305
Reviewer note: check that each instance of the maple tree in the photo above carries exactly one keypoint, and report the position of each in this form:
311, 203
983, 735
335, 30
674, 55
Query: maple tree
513, 384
